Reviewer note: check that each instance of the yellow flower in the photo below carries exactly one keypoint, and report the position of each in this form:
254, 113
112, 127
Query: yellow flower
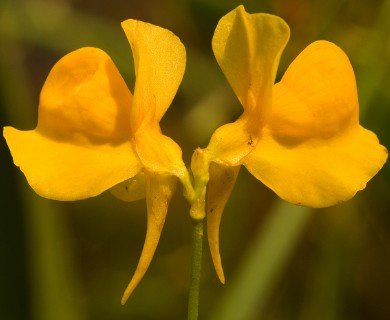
93, 134
301, 137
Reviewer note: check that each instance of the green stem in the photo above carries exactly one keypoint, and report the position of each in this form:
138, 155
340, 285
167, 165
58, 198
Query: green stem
197, 246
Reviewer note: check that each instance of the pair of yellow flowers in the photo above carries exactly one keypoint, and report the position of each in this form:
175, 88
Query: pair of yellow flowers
301, 137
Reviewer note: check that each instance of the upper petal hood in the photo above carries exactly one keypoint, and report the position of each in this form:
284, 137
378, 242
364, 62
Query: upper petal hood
159, 58
247, 48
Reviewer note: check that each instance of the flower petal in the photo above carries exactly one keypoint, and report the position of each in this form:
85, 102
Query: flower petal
313, 151
62, 170
159, 190
318, 172
159, 153
219, 188
247, 48
159, 59
131, 189
231, 142
81, 146
84, 94
317, 96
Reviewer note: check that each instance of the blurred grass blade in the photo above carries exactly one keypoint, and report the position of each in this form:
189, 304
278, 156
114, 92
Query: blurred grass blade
374, 70
263, 264
54, 290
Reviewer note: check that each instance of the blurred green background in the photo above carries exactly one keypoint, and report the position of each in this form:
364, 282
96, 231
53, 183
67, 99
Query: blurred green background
72, 261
